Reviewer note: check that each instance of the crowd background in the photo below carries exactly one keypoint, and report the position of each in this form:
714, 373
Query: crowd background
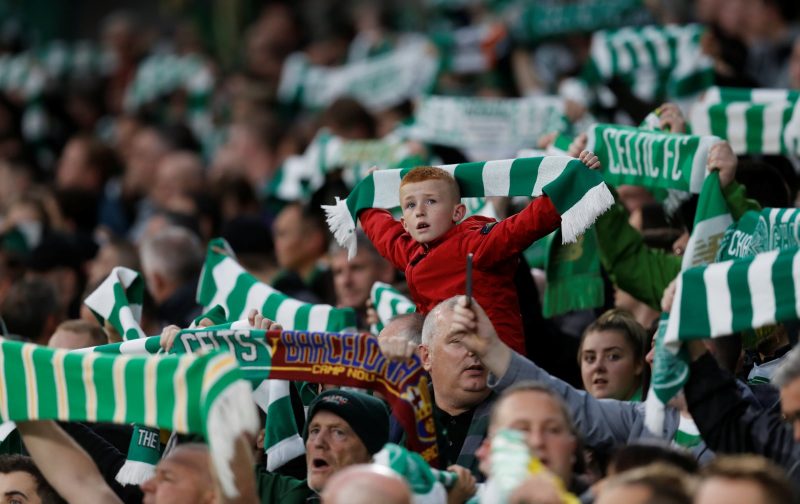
132, 137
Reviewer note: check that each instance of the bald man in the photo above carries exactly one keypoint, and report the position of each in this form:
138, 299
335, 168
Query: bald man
184, 476
366, 484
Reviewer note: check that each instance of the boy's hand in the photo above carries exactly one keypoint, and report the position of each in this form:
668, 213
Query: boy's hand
589, 159
671, 118
168, 335
722, 159
258, 321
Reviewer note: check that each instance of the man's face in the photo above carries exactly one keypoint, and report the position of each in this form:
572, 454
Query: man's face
18, 487
352, 280
716, 490
291, 239
790, 405
332, 445
429, 209
182, 478
458, 377
546, 430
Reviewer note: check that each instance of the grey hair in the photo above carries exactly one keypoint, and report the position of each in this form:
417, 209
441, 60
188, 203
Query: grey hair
175, 252
410, 326
430, 326
789, 370
535, 386
362, 242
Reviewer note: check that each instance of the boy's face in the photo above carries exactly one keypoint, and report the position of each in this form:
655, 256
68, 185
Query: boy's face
430, 209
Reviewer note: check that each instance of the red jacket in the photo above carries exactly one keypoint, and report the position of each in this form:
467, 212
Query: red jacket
437, 271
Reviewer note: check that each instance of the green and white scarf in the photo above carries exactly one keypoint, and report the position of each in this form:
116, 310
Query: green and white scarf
429, 485
493, 127
765, 127
224, 282
752, 95
756, 232
578, 193
388, 303
300, 176
77, 60
657, 61
574, 281
118, 300
718, 300
537, 21
651, 159
377, 82
189, 394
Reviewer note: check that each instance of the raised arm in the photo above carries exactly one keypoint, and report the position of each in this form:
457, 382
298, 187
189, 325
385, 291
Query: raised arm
64, 464
388, 236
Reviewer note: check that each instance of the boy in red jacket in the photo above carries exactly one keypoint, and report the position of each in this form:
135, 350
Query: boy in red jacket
430, 245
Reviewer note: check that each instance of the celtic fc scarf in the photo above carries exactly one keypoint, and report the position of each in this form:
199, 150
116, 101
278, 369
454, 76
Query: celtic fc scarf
388, 303
342, 359
770, 125
188, 394
224, 282
378, 82
496, 127
573, 274
756, 232
119, 300
651, 159
578, 193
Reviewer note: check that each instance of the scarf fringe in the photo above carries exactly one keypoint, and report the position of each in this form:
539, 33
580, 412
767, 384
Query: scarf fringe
654, 413
287, 449
342, 225
576, 220
134, 472
231, 414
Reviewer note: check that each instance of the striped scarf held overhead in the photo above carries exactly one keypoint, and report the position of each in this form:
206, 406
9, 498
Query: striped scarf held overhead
189, 394
756, 232
651, 159
224, 282
118, 300
578, 193
753, 121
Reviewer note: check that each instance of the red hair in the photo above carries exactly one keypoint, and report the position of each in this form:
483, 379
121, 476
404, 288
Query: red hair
423, 173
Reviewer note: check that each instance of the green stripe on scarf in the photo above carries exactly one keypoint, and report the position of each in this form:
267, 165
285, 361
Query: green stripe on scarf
342, 359
188, 394
119, 301
224, 282
388, 303
578, 193
651, 159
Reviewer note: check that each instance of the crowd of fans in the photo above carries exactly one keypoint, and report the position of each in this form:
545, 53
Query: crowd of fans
143, 149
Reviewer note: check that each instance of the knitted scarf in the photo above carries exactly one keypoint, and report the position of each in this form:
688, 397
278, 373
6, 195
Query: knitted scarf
769, 126
656, 61
537, 21
378, 82
578, 193
721, 299
573, 274
300, 176
757, 95
756, 232
188, 394
119, 301
429, 485
493, 127
224, 282
650, 159
342, 359
388, 303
